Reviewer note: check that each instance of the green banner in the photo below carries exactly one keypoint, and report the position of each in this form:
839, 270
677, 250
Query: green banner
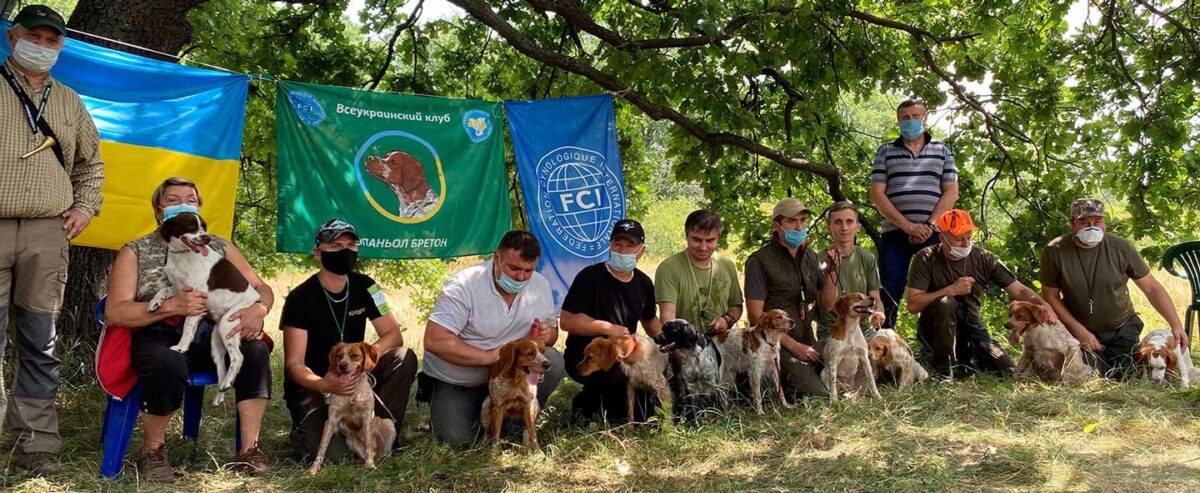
418, 176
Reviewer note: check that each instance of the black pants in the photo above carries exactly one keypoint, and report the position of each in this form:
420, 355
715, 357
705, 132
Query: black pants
163, 373
956, 345
604, 392
394, 374
1116, 359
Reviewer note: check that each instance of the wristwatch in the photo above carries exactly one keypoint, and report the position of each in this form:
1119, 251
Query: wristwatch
264, 304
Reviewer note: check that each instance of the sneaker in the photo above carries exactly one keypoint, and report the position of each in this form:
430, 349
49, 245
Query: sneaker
253, 462
152, 465
37, 463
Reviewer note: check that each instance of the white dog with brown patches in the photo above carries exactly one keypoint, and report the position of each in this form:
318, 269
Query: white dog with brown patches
641, 362
754, 351
192, 264
1164, 359
847, 366
1050, 353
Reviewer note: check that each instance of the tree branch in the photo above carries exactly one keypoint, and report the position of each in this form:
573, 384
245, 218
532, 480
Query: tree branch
1189, 35
913, 30
484, 13
391, 50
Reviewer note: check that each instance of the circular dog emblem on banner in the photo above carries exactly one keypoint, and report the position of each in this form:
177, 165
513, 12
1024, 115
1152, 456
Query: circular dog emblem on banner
396, 159
478, 125
308, 107
579, 199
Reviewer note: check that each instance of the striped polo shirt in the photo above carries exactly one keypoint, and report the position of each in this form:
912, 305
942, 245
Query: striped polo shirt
914, 183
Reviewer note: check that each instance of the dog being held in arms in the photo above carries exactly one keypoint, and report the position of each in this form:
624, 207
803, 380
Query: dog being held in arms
192, 264
1051, 353
847, 366
641, 362
353, 415
512, 389
696, 366
754, 351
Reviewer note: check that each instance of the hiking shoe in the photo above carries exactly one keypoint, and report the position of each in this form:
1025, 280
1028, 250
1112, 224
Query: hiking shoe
38, 463
152, 465
253, 462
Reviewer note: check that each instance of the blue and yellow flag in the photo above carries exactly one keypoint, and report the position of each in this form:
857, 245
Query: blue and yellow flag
156, 120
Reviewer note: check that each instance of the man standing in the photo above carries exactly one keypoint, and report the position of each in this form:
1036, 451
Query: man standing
1085, 276
946, 286
696, 284
46, 198
786, 275
480, 309
609, 299
913, 181
331, 307
849, 269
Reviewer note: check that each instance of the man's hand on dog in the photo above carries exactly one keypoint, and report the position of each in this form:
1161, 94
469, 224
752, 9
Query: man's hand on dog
802, 352
187, 303
250, 322
331, 384
1089, 342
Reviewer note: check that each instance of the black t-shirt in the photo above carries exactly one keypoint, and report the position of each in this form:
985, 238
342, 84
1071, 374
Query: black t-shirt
312, 309
597, 294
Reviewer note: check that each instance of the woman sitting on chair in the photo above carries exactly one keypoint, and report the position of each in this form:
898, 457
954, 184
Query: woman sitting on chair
136, 276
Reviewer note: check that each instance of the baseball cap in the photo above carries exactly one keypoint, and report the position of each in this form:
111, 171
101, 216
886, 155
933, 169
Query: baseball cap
40, 15
629, 229
334, 228
789, 207
1086, 207
956, 222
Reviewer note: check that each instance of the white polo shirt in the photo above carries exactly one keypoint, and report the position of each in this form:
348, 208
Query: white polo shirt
470, 307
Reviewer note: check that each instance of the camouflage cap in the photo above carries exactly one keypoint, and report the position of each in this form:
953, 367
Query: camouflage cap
1087, 207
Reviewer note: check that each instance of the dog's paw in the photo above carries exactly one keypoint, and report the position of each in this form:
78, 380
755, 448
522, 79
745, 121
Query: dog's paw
154, 305
179, 348
219, 399
312, 471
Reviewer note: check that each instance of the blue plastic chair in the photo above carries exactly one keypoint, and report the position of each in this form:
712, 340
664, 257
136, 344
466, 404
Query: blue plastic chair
120, 416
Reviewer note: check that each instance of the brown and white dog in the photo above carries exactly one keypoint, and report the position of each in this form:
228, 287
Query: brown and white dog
353, 415
890, 355
847, 366
512, 389
405, 175
1051, 352
641, 361
1164, 359
192, 264
754, 351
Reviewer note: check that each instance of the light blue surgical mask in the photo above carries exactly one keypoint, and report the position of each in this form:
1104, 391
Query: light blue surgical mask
911, 129
177, 209
622, 262
511, 285
795, 237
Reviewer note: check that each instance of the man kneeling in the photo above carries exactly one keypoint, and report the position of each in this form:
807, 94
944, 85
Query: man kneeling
480, 309
945, 286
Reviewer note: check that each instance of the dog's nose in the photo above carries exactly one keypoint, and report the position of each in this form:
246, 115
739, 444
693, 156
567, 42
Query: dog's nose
343, 367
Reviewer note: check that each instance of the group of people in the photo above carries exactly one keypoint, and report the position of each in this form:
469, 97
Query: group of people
925, 253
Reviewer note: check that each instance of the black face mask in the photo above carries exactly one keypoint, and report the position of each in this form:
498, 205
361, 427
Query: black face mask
340, 262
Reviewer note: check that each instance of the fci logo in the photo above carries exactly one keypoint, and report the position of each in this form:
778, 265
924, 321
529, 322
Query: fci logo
579, 198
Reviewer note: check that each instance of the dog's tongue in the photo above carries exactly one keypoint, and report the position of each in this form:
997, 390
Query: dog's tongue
345, 377
535, 378
202, 249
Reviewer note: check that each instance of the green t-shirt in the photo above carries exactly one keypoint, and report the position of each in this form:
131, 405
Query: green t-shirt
859, 273
1094, 281
699, 295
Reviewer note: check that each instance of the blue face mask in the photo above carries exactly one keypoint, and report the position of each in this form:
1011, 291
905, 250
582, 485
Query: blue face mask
911, 129
511, 285
622, 262
795, 237
177, 209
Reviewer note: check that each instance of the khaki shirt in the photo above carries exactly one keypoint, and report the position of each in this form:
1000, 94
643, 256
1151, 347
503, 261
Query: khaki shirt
40, 186
1094, 281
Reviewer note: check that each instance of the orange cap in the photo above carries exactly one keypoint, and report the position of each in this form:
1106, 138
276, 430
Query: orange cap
956, 222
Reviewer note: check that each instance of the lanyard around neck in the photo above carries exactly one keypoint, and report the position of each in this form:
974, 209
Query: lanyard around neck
32, 114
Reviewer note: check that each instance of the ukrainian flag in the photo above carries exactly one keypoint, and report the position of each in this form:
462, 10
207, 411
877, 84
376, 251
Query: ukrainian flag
156, 120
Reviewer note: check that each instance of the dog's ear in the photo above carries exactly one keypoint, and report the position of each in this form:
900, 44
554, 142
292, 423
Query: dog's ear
370, 356
842, 306
1143, 352
1035, 313
1169, 359
334, 354
507, 361
880, 346
411, 172
1171, 343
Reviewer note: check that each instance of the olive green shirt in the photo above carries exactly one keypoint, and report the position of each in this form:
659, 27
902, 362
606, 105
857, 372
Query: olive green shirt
1094, 282
40, 186
699, 295
859, 273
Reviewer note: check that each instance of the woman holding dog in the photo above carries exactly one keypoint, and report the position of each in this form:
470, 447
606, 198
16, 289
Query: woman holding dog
137, 274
